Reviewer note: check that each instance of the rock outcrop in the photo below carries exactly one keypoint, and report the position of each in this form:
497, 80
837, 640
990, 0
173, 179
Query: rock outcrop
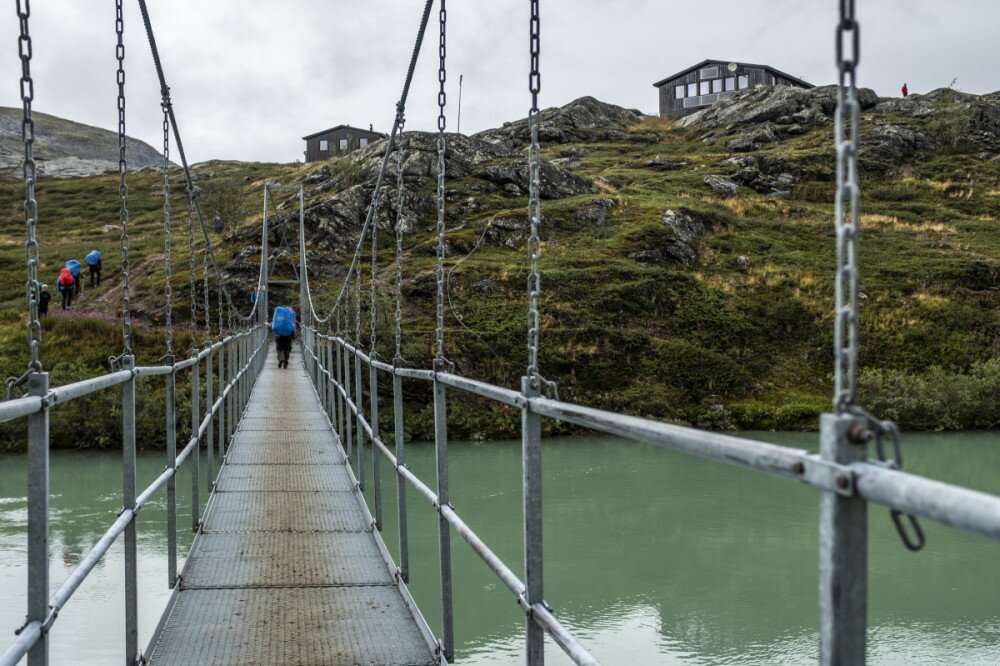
782, 105
582, 120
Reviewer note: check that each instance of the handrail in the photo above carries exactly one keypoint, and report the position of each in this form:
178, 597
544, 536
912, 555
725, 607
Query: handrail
874, 482
33, 631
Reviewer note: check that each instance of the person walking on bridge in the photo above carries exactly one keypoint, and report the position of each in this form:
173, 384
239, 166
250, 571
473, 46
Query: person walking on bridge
283, 325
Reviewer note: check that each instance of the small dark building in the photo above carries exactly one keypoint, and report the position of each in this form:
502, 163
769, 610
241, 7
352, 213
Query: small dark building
338, 141
709, 81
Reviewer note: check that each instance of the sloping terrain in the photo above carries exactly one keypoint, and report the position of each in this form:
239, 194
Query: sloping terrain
64, 148
686, 267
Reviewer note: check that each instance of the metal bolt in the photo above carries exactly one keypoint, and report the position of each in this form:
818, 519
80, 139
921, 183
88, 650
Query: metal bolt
860, 434
798, 468
842, 482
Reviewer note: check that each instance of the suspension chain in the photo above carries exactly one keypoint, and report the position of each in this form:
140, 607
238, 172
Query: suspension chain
166, 230
208, 310
357, 302
122, 185
400, 196
373, 274
33, 288
535, 379
192, 271
442, 98
846, 221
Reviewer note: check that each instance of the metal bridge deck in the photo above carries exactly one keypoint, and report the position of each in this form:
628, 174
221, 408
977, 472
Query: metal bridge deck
288, 569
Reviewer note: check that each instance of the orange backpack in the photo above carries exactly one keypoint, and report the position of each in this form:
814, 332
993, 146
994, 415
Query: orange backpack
65, 278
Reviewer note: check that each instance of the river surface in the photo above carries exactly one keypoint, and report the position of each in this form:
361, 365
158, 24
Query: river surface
651, 556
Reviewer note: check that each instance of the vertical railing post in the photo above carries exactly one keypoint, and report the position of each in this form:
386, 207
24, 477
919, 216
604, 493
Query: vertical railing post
444, 529
209, 433
397, 417
360, 410
843, 552
196, 452
221, 414
331, 391
376, 454
348, 420
321, 383
231, 420
172, 481
531, 467
128, 503
340, 404
38, 519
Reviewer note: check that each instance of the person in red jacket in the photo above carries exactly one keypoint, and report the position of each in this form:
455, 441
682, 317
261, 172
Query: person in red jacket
906, 90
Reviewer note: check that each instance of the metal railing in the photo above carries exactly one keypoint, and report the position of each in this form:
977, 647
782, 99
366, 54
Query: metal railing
235, 376
846, 479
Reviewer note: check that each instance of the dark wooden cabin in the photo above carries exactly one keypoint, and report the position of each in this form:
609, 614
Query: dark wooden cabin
338, 140
709, 81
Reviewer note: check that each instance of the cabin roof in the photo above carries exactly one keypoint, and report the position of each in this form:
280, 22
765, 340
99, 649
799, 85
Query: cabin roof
772, 70
359, 129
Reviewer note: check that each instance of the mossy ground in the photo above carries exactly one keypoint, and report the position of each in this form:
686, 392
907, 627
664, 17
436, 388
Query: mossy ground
714, 344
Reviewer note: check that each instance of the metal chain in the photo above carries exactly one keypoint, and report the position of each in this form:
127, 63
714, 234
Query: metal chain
222, 334
373, 275
400, 196
442, 98
208, 310
535, 380
192, 271
846, 222
32, 288
357, 304
166, 230
122, 185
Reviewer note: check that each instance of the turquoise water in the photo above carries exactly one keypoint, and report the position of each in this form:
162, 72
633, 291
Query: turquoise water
650, 556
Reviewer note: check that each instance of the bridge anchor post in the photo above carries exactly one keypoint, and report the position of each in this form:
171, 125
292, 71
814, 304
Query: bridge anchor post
38, 519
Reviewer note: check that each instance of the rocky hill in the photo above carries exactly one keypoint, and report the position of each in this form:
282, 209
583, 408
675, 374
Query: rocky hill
687, 266
64, 148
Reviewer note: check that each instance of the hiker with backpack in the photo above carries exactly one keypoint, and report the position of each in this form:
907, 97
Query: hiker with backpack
43, 301
283, 325
74, 267
66, 286
93, 261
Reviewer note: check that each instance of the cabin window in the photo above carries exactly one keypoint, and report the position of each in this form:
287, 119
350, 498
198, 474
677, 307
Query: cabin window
744, 82
705, 87
708, 73
343, 144
324, 145
730, 83
364, 142
692, 89
717, 85
679, 92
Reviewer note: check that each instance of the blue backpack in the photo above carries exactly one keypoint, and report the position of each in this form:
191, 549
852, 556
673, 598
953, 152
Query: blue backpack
74, 267
283, 321
93, 258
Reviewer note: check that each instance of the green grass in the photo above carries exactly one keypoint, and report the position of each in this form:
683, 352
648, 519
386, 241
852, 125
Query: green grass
710, 344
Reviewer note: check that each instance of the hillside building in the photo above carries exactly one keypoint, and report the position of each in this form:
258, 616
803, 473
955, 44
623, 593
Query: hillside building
338, 140
709, 81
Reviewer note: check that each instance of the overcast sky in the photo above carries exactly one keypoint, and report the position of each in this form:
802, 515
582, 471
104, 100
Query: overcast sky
249, 78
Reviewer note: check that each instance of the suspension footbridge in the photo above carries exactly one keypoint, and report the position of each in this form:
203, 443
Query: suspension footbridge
288, 565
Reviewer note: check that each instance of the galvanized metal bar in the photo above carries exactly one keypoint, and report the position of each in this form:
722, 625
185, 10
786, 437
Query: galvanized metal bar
338, 401
569, 644
187, 363
506, 396
172, 481
221, 412
152, 488
153, 370
843, 554
414, 373
196, 457
444, 533
358, 408
20, 407
90, 560
331, 400
128, 504
531, 467
384, 367
349, 405
376, 459
27, 636
87, 386
402, 523
38, 519
209, 416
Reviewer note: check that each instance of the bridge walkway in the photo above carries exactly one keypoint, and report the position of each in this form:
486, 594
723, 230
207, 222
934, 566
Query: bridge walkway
287, 568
